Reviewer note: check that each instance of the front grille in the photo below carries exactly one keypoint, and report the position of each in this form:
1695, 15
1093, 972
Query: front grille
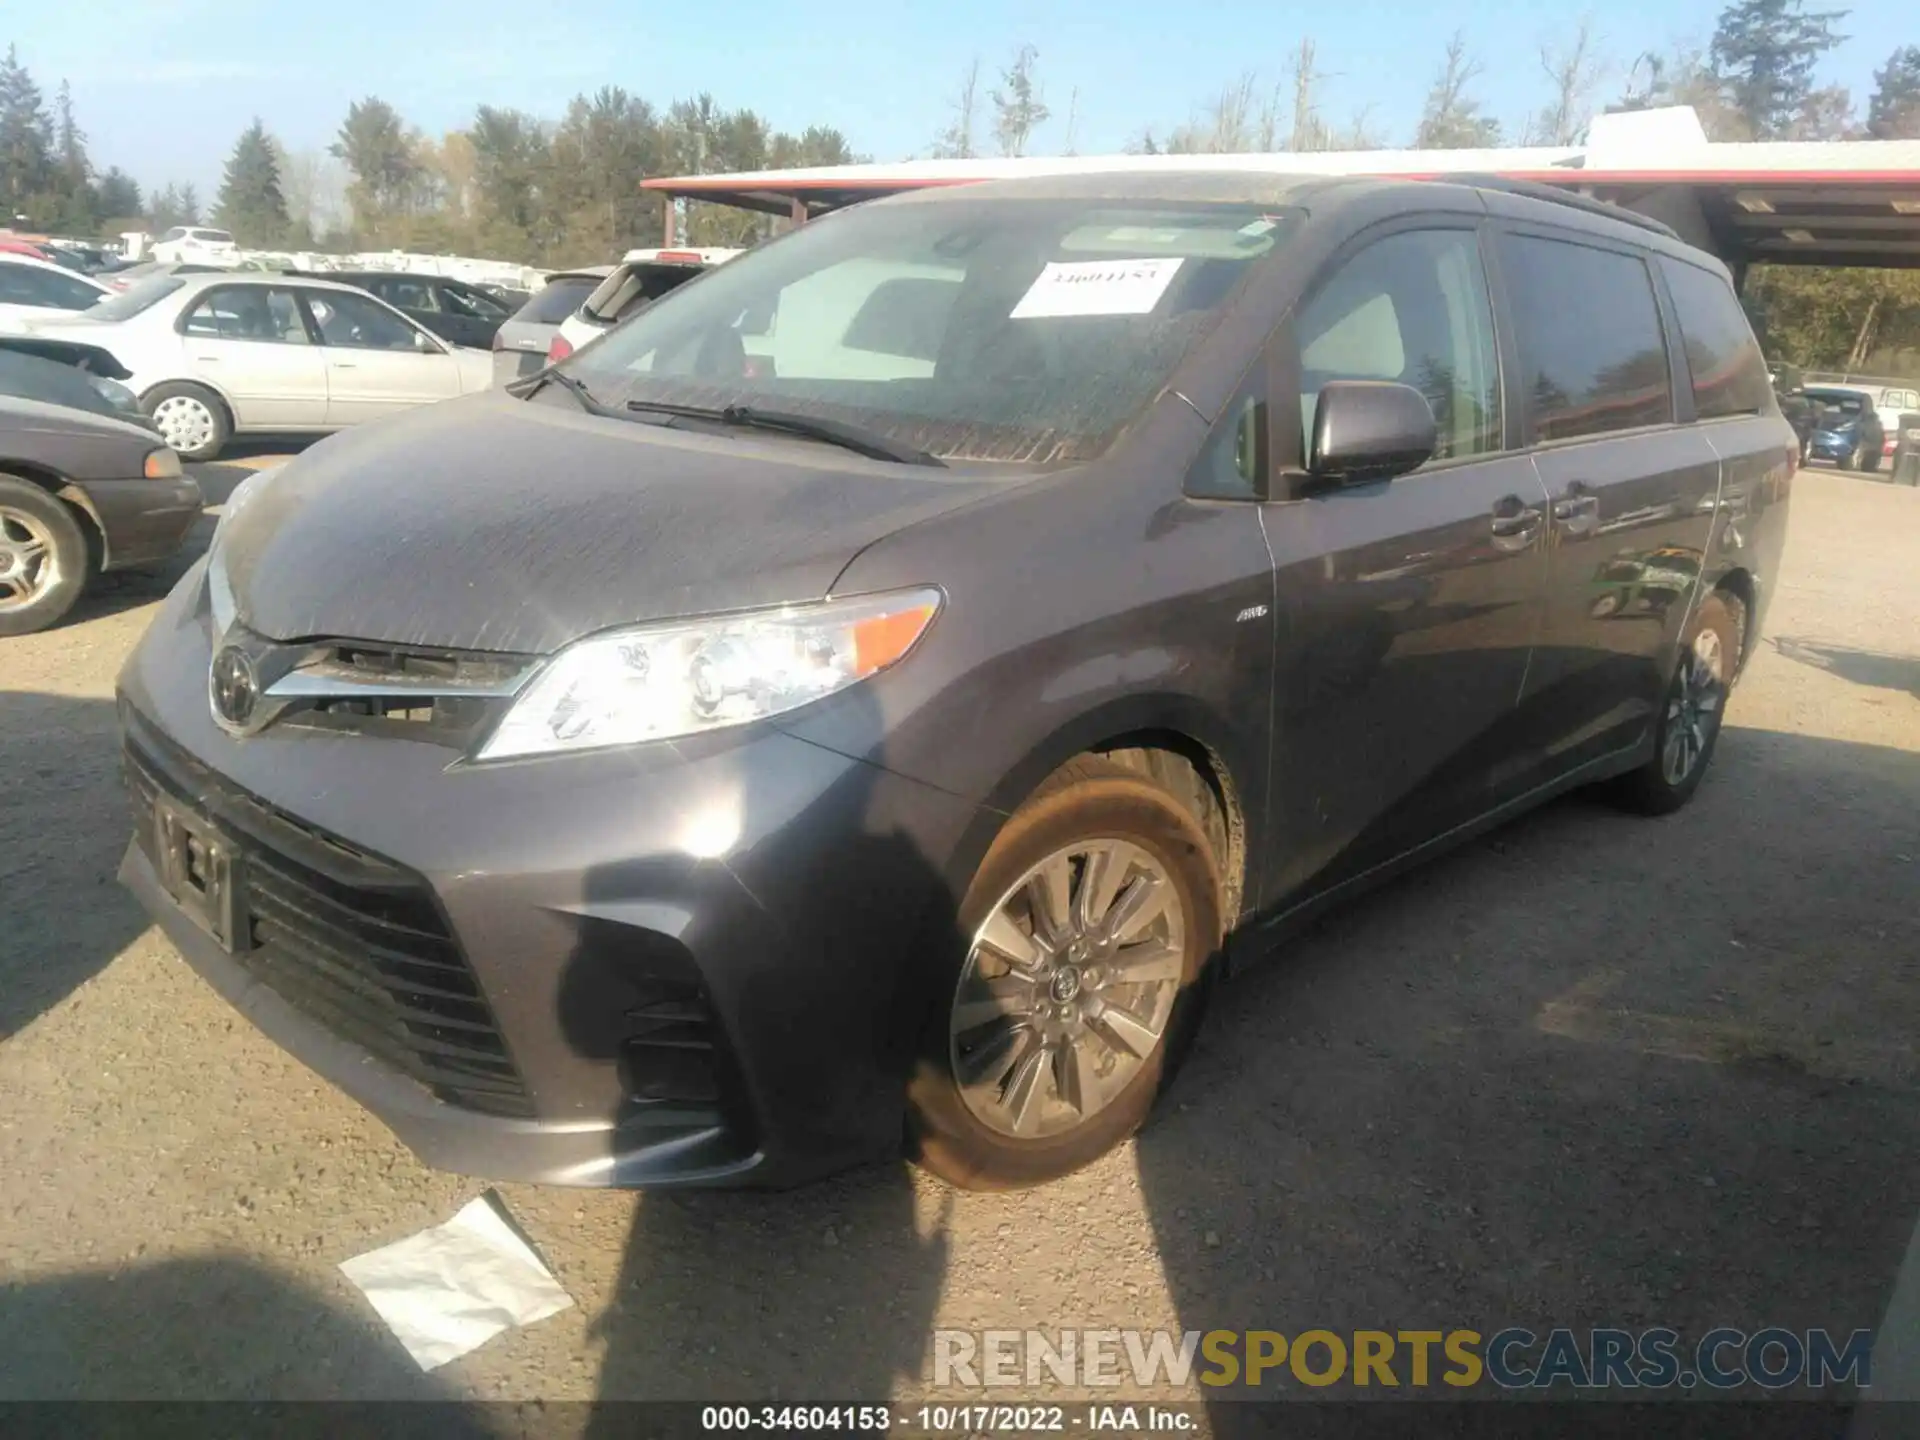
354, 942
435, 710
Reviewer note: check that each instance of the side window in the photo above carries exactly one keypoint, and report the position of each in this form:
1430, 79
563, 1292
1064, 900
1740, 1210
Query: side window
48, 289
407, 294
1235, 454
358, 322
176, 233
1728, 372
1593, 359
1411, 308
247, 312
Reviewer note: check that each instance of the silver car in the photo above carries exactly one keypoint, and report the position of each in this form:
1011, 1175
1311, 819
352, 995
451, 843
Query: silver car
220, 355
521, 343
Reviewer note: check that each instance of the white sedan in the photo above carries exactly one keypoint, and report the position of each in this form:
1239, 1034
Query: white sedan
214, 356
31, 289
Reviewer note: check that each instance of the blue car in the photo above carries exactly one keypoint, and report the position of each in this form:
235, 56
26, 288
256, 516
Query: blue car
1846, 429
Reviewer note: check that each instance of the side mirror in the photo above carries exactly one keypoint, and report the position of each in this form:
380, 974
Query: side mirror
1367, 430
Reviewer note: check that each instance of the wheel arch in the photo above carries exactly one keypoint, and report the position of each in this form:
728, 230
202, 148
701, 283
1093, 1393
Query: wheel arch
68, 494
1155, 736
216, 391
1738, 583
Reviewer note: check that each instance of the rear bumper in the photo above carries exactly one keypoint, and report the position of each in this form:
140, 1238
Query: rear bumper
142, 522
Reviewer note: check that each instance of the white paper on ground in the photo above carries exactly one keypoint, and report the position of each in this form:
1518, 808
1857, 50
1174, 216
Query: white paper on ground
1097, 287
452, 1288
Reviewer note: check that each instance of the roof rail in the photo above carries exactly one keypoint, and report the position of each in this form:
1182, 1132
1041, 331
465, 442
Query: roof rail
1554, 195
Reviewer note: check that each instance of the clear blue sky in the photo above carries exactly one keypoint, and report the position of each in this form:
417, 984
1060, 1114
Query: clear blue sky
163, 86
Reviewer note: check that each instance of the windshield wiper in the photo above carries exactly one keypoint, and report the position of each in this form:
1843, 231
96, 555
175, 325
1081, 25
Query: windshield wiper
576, 388
856, 438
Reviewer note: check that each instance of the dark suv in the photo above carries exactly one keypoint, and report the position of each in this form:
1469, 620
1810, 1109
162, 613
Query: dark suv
459, 313
868, 697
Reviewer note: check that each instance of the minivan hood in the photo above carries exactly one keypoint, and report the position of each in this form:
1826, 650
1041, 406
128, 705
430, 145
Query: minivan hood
490, 523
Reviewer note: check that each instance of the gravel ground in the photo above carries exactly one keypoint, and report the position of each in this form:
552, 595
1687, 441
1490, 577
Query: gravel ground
1591, 1070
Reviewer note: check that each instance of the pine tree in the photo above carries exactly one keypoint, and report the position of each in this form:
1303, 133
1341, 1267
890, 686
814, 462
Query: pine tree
1894, 111
76, 202
26, 146
189, 205
251, 204
119, 196
1764, 53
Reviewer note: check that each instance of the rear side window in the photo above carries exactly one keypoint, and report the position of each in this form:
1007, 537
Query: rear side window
556, 300
1593, 359
1729, 373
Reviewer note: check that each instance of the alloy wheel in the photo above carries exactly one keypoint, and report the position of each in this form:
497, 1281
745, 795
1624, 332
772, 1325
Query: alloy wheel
29, 565
1693, 707
1068, 988
185, 423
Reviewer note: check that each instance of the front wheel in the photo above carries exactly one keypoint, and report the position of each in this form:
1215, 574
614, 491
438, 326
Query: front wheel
1690, 716
1093, 922
43, 558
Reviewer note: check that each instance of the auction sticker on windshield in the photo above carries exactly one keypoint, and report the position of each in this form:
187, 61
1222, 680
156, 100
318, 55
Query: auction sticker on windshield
1097, 287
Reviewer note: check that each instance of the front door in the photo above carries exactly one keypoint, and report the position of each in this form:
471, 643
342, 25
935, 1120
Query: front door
1632, 492
251, 343
378, 362
1408, 608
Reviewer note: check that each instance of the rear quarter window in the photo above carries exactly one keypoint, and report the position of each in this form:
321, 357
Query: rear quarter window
556, 300
1729, 374
1593, 357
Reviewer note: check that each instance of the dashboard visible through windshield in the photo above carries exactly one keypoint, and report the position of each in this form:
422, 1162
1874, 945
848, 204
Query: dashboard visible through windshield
1011, 330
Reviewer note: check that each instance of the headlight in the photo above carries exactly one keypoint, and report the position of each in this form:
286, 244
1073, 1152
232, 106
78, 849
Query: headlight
161, 464
655, 682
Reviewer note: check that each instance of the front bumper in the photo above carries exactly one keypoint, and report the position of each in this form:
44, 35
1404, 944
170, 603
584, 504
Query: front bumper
142, 522
761, 902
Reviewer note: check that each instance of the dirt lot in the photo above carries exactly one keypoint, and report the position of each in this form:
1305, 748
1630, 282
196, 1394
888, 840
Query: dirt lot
1591, 1071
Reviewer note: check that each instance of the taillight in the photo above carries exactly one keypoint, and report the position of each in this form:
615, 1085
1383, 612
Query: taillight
1889, 445
559, 349
679, 257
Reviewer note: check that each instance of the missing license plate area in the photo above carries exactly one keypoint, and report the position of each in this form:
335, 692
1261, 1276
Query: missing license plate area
200, 872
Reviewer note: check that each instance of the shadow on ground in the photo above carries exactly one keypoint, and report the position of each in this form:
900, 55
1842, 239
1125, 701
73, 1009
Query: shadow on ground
1875, 668
1595, 1070
63, 829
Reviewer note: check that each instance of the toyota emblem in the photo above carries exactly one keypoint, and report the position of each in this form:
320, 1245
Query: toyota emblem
234, 687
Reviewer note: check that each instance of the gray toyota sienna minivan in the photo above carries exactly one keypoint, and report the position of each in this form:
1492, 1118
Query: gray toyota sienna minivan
865, 700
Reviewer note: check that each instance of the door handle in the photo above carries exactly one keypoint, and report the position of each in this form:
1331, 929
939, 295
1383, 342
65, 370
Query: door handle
1515, 523
343, 365
1578, 511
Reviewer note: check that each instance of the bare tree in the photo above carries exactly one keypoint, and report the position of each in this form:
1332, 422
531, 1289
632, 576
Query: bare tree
1019, 108
1575, 72
956, 141
1452, 119
1309, 130
1073, 121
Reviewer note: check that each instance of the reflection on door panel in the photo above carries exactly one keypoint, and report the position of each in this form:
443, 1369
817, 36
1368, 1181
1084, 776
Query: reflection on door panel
1632, 496
1409, 608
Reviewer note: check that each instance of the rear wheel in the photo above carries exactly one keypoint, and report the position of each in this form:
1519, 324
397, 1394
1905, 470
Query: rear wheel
1690, 716
190, 418
1093, 920
43, 558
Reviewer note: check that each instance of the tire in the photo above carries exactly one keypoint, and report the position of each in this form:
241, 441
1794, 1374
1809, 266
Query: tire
43, 558
1692, 711
192, 419
1093, 816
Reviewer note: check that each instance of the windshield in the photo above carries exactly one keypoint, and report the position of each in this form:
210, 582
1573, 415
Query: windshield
129, 303
1847, 402
1021, 330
